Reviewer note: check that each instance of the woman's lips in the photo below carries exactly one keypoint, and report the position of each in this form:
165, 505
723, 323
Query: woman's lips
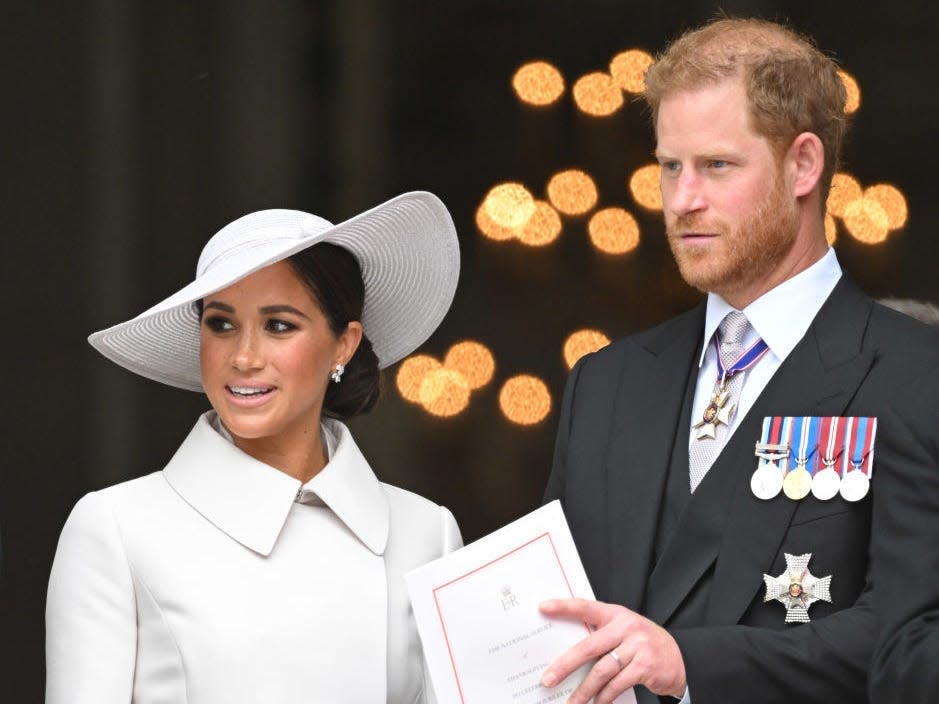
248, 395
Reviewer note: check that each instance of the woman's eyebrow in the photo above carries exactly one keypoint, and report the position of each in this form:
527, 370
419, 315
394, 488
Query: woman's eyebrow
224, 307
282, 308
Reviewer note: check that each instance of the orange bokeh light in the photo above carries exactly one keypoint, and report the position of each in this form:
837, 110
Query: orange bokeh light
444, 392
583, 342
892, 201
489, 228
538, 83
509, 204
542, 228
473, 360
596, 94
853, 90
629, 67
867, 221
844, 189
645, 186
525, 399
572, 192
613, 231
411, 375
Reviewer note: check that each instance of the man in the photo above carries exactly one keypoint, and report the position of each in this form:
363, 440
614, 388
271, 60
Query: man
655, 448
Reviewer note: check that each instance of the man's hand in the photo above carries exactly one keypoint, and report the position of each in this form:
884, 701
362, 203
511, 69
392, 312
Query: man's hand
648, 653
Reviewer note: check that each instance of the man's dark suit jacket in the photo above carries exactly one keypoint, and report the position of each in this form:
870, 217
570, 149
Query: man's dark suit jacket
906, 665
696, 564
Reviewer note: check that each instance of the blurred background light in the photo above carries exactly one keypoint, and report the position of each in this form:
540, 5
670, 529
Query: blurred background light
831, 229
411, 375
892, 201
538, 83
844, 189
866, 220
628, 68
596, 94
613, 231
525, 400
509, 204
851, 87
542, 228
491, 229
473, 360
583, 342
645, 186
444, 392
572, 192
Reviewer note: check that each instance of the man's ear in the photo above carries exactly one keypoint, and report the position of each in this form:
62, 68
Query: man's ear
805, 161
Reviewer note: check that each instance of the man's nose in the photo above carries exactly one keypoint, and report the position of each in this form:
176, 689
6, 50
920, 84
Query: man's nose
686, 196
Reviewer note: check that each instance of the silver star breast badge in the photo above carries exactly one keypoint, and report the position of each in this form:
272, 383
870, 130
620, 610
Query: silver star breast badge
797, 588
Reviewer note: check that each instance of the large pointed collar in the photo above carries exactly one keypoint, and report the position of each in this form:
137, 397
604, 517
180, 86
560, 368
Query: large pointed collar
250, 501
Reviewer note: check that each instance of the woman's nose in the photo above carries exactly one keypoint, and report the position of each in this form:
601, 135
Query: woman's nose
247, 353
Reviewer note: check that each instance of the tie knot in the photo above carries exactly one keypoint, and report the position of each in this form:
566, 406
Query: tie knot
732, 330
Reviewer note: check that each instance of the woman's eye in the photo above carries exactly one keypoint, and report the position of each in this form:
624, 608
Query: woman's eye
280, 326
218, 324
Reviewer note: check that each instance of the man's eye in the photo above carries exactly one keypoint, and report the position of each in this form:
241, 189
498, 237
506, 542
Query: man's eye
671, 166
280, 326
717, 163
218, 324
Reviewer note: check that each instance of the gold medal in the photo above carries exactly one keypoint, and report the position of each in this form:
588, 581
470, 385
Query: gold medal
798, 483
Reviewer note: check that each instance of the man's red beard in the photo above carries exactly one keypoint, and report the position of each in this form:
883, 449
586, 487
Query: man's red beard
749, 252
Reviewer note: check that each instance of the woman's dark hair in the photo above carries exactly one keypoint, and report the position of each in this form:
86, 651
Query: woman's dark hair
334, 279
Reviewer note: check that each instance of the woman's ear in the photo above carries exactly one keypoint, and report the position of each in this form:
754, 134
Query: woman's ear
348, 342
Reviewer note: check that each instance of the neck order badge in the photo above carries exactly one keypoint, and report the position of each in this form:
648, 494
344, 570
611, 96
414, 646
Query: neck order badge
719, 411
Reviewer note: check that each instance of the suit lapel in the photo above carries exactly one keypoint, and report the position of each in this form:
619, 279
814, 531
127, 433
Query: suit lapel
638, 455
724, 522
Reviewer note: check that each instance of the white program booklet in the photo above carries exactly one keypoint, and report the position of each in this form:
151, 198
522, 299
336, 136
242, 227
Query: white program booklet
476, 609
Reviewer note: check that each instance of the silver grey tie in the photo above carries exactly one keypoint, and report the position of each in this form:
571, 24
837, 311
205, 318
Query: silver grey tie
731, 333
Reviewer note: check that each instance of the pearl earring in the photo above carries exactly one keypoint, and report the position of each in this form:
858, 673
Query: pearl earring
336, 374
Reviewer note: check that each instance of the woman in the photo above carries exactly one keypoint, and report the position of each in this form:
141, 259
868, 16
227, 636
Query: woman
265, 562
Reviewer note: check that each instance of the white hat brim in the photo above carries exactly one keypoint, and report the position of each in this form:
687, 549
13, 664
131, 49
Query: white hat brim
406, 247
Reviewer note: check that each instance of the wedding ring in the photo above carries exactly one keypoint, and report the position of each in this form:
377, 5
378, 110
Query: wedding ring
613, 655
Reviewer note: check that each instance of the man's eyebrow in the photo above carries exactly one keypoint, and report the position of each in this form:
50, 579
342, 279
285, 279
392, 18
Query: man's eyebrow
283, 308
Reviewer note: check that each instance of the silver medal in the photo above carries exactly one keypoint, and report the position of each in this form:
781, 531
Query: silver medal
825, 484
854, 485
766, 482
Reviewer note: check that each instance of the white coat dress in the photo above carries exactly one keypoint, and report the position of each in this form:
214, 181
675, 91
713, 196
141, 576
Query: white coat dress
220, 580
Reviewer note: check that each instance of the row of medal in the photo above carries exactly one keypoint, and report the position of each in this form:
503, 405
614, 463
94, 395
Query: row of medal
822, 456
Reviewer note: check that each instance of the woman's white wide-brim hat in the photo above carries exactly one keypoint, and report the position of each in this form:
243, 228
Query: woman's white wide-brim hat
406, 247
